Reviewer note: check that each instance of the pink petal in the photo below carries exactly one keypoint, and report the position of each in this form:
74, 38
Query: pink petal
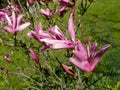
42, 11
85, 66
46, 12
62, 9
53, 41
23, 26
68, 70
92, 52
93, 48
8, 19
9, 29
80, 56
38, 28
98, 55
73, 10
71, 28
58, 46
81, 49
19, 19
57, 32
34, 56
33, 35
14, 20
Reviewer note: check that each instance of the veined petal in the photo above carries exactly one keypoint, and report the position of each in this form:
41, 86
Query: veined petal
23, 26
8, 19
14, 20
81, 49
57, 32
19, 19
62, 45
92, 52
71, 28
85, 66
53, 41
80, 56
93, 48
98, 55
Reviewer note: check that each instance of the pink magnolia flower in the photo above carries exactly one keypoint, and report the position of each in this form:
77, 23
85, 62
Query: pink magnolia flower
64, 4
34, 55
55, 38
46, 12
14, 7
14, 23
39, 34
68, 70
87, 60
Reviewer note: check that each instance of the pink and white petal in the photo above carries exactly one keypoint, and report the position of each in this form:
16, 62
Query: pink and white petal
57, 32
62, 45
71, 28
38, 28
93, 48
23, 26
68, 70
8, 19
34, 55
62, 9
81, 49
14, 20
85, 66
98, 55
42, 11
79, 55
19, 19
53, 41
9, 29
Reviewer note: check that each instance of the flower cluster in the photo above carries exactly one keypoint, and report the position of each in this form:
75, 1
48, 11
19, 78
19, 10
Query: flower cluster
54, 37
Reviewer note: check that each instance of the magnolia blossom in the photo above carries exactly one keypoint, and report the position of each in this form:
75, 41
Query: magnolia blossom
33, 55
14, 7
68, 70
55, 38
87, 60
64, 4
14, 23
46, 12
